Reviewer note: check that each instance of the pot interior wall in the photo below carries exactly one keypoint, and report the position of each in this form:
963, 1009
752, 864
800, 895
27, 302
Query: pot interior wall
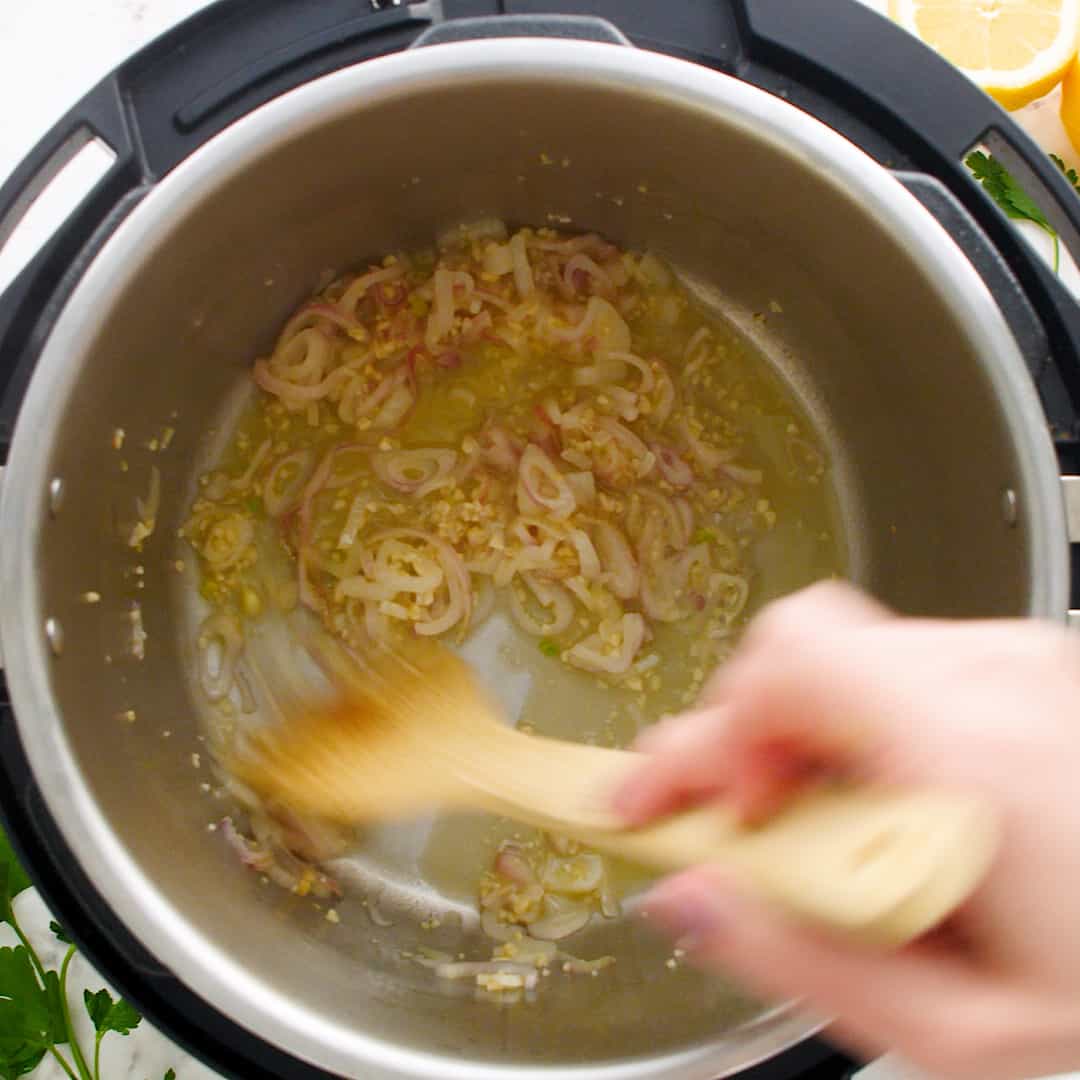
920, 450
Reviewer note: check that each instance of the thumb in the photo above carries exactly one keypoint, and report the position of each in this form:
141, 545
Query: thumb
908, 1000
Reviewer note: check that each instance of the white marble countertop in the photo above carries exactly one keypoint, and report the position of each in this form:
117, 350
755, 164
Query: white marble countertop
51, 52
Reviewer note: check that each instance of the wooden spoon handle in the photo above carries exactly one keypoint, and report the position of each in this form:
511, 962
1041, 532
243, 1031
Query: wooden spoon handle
878, 864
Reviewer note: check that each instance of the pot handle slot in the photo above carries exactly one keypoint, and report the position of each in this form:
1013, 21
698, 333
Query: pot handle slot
1027, 329
859, 82
155, 110
1070, 490
866, 70
100, 117
1070, 486
576, 27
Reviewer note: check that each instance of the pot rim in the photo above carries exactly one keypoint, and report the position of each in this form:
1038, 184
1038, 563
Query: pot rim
150, 915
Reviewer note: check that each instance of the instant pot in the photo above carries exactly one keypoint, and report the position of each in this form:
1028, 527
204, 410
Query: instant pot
803, 160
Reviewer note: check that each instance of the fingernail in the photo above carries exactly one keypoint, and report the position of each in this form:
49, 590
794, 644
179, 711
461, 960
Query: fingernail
687, 907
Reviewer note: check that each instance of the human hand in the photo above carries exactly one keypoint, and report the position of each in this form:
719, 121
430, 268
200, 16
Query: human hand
827, 681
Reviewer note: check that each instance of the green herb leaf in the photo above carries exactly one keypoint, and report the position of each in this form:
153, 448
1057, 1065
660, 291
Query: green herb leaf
25, 1014
1070, 174
60, 933
123, 1018
24, 1006
110, 1015
548, 647
170, 1075
13, 879
58, 1029
1005, 191
19, 1058
97, 1006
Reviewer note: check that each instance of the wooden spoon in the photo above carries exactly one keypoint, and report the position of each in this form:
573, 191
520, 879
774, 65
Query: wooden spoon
411, 732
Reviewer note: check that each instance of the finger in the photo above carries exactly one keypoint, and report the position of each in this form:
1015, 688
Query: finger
764, 781
690, 761
908, 1000
674, 733
693, 757
670, 732
685, 765
793, 694
814, 611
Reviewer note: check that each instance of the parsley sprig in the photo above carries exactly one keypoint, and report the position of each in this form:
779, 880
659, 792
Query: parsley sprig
1002, 187
35, 1018
1070, 174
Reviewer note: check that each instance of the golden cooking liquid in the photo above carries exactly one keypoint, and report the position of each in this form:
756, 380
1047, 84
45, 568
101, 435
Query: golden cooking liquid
789, 537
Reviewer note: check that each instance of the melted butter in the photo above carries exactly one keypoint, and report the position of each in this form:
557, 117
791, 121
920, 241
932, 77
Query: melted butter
801, 543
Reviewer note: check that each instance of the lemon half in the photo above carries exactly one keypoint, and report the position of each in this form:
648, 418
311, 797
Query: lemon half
1015, 50
1070, 104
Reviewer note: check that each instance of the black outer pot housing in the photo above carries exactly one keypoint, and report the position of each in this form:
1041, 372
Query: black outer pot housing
834, 59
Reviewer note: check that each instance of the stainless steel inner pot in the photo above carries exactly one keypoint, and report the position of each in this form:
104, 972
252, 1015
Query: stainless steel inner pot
886, 334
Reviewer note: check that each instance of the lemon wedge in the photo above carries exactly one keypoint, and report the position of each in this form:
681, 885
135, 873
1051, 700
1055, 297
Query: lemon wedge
1015, 50
1070, 104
